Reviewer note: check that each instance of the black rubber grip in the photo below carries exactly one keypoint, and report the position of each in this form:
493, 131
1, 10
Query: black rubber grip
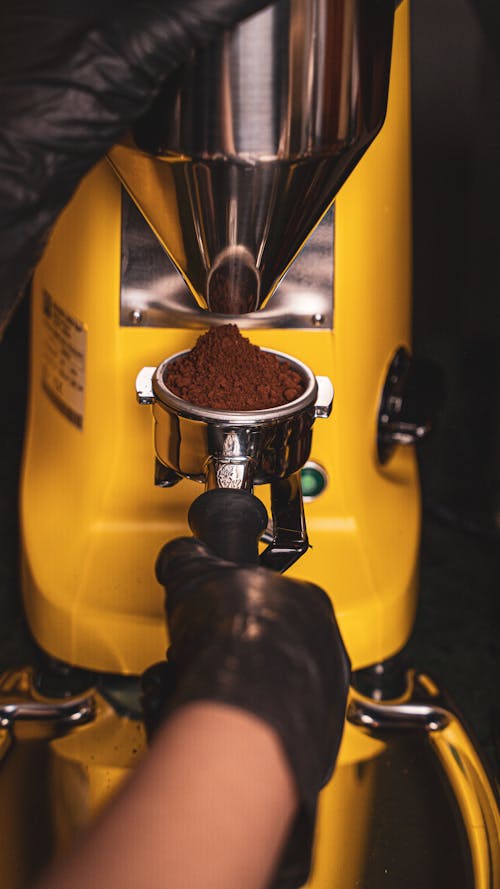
230, 522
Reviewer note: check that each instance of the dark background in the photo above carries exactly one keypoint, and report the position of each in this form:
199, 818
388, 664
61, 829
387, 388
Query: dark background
456, 162
456, 145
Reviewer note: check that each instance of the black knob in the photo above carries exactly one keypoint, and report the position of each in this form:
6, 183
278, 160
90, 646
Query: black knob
411, 397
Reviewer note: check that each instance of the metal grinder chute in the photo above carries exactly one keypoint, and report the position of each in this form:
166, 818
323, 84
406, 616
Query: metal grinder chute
245, 148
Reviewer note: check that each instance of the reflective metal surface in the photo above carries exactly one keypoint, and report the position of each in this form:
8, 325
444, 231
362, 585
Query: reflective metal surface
288, 536
20, 701
164, 476
241, 449
245, 148
237, 449
56, 774
404, 809
424, 711
154, 294
397, 717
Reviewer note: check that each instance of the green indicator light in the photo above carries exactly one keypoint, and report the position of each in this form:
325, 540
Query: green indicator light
312, 481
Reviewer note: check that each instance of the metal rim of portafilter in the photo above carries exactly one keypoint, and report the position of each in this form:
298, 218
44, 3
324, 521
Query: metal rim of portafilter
239, 449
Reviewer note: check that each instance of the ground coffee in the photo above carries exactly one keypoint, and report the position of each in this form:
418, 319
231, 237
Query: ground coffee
224, 371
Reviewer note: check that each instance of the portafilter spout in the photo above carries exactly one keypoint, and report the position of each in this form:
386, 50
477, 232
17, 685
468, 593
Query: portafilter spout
247, 145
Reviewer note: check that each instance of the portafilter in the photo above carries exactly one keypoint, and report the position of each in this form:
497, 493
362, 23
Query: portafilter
239, 449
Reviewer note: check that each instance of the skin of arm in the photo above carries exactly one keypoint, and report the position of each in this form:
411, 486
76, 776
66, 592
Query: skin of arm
210, 805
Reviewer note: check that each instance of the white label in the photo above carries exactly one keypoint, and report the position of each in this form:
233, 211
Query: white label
63, 360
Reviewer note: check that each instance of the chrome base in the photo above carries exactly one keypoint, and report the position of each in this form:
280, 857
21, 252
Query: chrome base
418, 812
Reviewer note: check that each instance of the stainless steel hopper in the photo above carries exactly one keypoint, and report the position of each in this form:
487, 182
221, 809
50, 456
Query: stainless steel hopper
246, 147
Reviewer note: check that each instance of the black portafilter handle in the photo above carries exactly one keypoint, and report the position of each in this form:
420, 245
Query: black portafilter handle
230, 522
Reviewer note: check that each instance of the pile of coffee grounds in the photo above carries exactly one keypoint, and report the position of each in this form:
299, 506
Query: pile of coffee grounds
224, 371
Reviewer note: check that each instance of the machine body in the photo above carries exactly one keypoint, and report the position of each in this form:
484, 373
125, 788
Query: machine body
116, 293
89, 589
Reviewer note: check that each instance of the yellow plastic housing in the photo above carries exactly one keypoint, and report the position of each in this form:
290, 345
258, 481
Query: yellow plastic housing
92, 520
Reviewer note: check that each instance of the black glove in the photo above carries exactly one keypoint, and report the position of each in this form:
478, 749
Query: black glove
73, 78
251, 638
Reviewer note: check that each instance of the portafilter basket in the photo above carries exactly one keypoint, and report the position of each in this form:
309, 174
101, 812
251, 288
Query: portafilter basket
234, 449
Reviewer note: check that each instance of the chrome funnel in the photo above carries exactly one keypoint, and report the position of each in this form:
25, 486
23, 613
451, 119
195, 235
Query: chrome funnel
246, 147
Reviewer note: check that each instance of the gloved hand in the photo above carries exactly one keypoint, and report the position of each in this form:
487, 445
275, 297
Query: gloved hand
73, 78
251, 638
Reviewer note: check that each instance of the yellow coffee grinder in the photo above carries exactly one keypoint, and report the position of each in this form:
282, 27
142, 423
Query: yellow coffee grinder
217, 208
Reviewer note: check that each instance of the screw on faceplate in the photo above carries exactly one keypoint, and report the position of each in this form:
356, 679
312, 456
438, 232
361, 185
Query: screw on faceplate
136, 316
318, 319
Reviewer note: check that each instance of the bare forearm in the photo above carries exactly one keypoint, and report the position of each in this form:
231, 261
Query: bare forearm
210, 806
